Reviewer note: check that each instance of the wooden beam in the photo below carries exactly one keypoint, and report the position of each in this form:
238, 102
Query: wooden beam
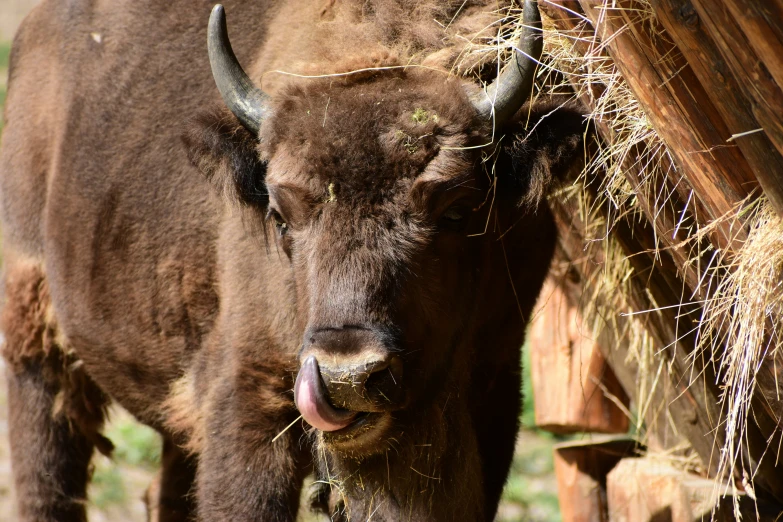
670, 215
652, 490
726, 92
686, 122
690, 396
762, 24
573, 388
750, 72
692, 406
581, 468
659, 286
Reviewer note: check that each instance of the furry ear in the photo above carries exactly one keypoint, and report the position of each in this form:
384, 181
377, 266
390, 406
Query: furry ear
225, 152
540, 147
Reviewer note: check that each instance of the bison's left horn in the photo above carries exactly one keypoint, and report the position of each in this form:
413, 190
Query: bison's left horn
513, 86
245, 100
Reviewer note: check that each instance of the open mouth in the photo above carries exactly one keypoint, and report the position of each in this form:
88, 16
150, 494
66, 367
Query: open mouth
338, 426
311, 400
363, 422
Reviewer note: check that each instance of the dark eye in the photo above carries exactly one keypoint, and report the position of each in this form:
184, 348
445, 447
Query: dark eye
280, 224
454, 218
454, 214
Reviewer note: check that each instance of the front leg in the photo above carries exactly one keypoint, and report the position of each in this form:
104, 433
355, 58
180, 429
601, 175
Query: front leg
55, 410
244, 473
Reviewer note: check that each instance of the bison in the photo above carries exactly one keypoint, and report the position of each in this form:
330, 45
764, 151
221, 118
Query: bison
324, 270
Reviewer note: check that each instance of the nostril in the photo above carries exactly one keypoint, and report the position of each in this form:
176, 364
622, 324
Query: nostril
385, 381
377, 380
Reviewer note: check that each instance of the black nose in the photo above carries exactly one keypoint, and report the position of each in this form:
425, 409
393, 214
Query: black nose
358, 370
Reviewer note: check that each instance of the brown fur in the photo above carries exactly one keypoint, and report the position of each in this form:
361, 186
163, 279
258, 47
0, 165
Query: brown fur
154, 220
51, 398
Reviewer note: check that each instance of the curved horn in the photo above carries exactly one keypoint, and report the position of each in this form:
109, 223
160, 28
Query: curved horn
512, 87
245, 100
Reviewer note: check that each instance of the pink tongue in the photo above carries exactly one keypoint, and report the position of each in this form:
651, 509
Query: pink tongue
310, 398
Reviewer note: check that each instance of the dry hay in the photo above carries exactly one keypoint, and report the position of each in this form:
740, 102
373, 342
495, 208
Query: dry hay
739, 329
739, 296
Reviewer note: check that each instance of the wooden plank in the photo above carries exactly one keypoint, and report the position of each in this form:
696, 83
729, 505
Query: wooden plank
650, 489
668, 401
573, 387
581, 468
690, 396
756, 80
725, 92
670, 215
646, 490
673, 326
762, 23
686, 122
749, 71
764, 430
681, 22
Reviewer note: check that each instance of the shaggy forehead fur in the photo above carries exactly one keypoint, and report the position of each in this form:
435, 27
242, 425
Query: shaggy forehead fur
369, 137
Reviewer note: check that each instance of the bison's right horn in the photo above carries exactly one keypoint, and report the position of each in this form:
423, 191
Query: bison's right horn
245, 100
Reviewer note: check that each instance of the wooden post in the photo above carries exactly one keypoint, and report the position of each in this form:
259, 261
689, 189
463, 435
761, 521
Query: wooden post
573, 387
684, 119
666, 218
693, 407
581, 468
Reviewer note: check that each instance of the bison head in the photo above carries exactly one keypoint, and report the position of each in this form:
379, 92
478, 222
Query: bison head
405, 220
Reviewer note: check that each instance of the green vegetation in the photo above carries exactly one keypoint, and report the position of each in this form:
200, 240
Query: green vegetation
421, 116
134, 443
531, 486
119, 481
107, 487
5, 51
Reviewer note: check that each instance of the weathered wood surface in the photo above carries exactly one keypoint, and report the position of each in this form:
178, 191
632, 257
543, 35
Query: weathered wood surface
726, 92
688, 123
688, 394
647, 490
581, 468
573, 387
746, 65
652, 490
693, 409
662, 199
